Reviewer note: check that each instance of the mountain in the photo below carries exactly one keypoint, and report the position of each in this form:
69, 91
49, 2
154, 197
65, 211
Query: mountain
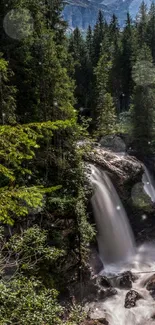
83, 13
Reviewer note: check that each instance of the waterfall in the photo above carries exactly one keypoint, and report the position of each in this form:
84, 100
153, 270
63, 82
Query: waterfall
149, 186
115, 238
116, 246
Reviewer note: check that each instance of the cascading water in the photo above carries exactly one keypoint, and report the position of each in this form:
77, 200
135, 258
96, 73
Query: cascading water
118, 253
115, 238
149, 185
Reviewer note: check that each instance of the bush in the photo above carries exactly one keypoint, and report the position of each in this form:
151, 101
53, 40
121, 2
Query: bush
27, 302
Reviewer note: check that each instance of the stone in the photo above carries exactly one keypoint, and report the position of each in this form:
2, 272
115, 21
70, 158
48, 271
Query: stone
96, 311
126, 280
104, 294
131, 297
150, 285
104, 282
122, 169
152, 293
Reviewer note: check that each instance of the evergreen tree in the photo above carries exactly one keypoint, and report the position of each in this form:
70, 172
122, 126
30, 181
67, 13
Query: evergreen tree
7, 94
55, 22
89, 43
114, 33
98, 37
115, 53
83, 69
45, 91
151, 30
104, 117
142, 20
143, 116
126, 60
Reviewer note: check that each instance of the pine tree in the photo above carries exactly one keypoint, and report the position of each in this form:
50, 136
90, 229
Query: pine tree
151, 30
142, 20
143, 116
54, 18
7, 94
98, 37
45, 90
114, 33
115, 53
89, 43
126, 60
83, 69
104, 115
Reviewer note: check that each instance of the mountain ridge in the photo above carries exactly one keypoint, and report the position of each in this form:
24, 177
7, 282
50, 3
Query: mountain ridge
82, 13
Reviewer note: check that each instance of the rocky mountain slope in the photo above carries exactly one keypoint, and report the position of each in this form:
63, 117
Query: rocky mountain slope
83, 13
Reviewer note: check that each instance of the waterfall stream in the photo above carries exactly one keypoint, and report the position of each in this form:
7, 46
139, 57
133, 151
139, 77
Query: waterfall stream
118, 253
115, 238
149, 185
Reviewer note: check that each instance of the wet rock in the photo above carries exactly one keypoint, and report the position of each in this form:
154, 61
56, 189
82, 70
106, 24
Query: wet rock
96, 311
131, 297
152, 293
111, 292
104, 294
104, 282
95, 261
151, 283
95, 322
126, 280
121, 168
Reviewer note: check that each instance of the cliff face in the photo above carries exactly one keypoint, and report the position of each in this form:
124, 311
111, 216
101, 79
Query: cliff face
83, 13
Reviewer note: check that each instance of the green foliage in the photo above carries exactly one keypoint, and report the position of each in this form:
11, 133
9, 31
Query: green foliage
105, 110
26, 302
18, 145
143, 117
7, 94
86, 231
43, 190
125, 122
34, 256
76, 316
43, 205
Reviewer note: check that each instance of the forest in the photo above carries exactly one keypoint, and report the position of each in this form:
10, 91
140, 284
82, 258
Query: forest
59, 89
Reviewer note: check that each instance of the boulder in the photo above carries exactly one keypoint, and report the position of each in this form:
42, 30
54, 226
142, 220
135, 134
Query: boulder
96, 311
121, 168
104, 282
131, 297
126, 280
104, 294
152, 293
150, 285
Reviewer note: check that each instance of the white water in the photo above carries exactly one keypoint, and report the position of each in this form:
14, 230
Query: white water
113, 308
115, 238
118, 254
149, 185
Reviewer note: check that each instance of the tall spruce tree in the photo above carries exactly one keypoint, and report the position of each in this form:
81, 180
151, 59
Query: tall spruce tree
143, 109
98, 37
7, 94
126, 60
115, 51
104, 114
45, 91
83, 68
142, 20
151, 30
